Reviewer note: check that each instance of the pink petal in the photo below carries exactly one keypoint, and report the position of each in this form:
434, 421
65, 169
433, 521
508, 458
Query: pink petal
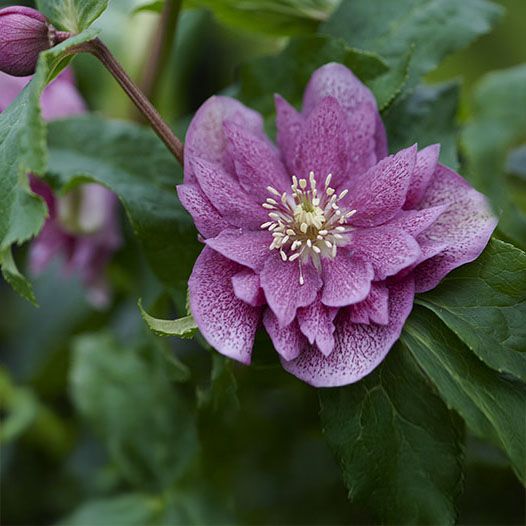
205, 138
374, 309
323, 145
288, 341
366, 136
49, 243
248, 288
416, 221
316, 323
346, 280
359, 348
281, 282
225, 194
387, 248
381, 191
256, 162
289, 122
426, 163
246, 247
227, 323
466, 226
61, 99
206, 218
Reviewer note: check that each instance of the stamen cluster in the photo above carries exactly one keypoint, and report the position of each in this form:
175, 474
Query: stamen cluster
307, 224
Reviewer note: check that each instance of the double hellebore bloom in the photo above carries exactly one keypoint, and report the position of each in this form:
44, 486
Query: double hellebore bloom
325, 239
82, 226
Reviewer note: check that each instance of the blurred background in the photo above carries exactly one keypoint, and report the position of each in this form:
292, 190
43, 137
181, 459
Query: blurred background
61, 412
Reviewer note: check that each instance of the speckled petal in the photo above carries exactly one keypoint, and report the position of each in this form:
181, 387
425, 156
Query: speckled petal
382, 190
289, 123
416, 221
358, 349
280, 281
248, 288
466, 226
426, 163
227, 323
206, 217
235, 206
288, 341
374, 309
316, 323
246, 247
205, 137
387, 248
346, 280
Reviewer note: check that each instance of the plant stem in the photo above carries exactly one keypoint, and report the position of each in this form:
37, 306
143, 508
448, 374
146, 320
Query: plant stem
97, 48
161, 48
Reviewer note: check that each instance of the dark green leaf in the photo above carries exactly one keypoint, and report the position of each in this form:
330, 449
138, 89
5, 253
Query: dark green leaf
72, 15
434, 27
182, 327
426, 117
398, 444
498, 124
11, 274
484, 304
124, 393
132, 162
492, 405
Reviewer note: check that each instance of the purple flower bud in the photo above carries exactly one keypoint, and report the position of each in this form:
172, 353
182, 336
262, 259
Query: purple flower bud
24, 33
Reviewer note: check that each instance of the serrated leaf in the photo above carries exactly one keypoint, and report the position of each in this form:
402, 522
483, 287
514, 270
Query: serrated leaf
23, 150
434, 27
498, 124
72, 15
146, 424
182, 327
427, 116
398, 445
484, 304
491, 404
132, 162
11, 274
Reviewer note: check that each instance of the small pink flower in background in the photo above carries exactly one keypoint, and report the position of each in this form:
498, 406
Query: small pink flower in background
82, 226
324, 239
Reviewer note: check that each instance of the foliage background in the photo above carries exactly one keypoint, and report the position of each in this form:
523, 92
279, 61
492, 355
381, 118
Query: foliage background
94, 411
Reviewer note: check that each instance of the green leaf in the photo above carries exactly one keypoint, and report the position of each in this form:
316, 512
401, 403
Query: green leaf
72, 15
288, 72
23, 150
491, 404
132, 162
275, 17
182, 327
434, 27
398, 445
484, 304
498, 124
146, 424
427, 116
134, 509
11, 274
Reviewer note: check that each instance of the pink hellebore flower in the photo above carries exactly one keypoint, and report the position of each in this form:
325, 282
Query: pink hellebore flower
83, 225
325, 238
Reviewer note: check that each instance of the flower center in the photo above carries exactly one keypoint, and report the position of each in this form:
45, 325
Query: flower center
307, 224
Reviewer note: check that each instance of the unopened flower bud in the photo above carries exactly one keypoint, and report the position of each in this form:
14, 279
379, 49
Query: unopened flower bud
24, 33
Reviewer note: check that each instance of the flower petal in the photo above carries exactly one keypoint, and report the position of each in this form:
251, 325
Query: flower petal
205, 137
247, 288
426, 163
288, 341
359, 348
316, 323
289, 122
256, 162
226, 322
380, 193
366, 135
281, 282
387, 248
346, 280
374, 309
225, 194
416, 221
206, 218
466, 226
323, 145
246, 247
